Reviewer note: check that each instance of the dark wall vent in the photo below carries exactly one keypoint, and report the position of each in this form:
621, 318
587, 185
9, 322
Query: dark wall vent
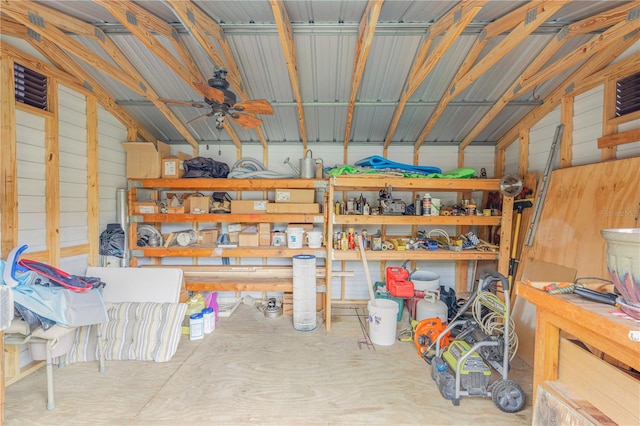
30, 87
628, 95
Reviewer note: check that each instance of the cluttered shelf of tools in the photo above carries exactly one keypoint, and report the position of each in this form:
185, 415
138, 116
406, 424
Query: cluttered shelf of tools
212, 250
228, 184
415, 255
229, 217
357, 183
341, 219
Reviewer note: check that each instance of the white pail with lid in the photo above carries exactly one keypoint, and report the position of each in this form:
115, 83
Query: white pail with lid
295, 237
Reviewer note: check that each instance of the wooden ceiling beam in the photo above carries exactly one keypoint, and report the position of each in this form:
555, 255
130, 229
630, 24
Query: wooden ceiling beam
67, 71
460, 17
139, 21
589, 74
285, 31
200, 26
366, 31
28, 12
524, 22
593, 23
492, 30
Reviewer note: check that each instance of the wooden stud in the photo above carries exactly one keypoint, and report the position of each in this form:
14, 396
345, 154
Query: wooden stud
93, 184
566, 144
619, 139
523, 157
608, 112
52, 174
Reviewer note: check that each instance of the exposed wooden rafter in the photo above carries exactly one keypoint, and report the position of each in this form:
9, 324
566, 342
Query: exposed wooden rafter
285, 31
460, 17
200, 25
525, 81
366, 30
522, 23
128, 75
67, 70
587, 75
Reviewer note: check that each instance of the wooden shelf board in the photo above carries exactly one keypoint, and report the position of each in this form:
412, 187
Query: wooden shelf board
416, 220
226, 184
416, 255
355, 182
213, 251
193, 283
227, 217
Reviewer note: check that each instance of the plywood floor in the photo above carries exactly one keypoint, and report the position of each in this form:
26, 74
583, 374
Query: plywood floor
259, 371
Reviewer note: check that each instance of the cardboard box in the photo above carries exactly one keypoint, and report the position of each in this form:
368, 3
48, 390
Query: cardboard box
248, 206
175, 209
234, 237
278, 239
293, 208
264, 240
197, 205
144, 159
295, 195
248, 239
208, 236
264, 228
145, 207
173, 166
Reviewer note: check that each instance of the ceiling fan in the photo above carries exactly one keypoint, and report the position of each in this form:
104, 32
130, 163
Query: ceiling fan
222, 103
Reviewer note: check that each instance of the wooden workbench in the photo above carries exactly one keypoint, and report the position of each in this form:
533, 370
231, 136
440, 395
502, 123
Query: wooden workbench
592, 323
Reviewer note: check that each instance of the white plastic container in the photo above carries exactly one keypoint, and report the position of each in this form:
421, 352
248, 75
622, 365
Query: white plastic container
196, 326
304, 292
295, 237
209, 320
425, 281
383, 322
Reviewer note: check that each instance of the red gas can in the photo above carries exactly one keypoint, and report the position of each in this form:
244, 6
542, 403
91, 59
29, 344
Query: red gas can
397, 282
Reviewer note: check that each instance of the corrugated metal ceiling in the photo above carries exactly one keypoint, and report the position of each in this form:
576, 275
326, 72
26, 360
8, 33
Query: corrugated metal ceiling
325, 36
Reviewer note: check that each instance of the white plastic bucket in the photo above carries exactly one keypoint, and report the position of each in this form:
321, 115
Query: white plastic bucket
314, 239
425, 281
295, 237
383, 322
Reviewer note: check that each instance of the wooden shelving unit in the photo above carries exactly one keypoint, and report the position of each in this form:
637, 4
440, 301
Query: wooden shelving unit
206, 280
344, 184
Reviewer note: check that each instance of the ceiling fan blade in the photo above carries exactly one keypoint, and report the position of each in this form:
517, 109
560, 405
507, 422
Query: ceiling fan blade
202, 117
255, 106
187, 103
209, 92
246, 121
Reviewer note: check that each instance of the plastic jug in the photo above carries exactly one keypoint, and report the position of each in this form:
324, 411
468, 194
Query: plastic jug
195, 305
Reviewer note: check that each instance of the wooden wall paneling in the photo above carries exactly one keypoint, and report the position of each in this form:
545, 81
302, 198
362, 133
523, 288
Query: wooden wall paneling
580, 202
566, 144
52, 173
93, 173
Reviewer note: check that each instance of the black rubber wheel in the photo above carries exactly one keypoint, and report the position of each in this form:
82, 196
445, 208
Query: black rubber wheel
508, 396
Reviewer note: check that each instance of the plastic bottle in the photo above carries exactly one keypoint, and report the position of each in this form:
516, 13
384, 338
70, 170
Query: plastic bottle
351, 239
344, 242
194, 305
196, 326
209, 319
426, 204
213, 304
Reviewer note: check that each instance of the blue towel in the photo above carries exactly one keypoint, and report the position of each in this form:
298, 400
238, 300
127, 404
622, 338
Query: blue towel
377, 162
